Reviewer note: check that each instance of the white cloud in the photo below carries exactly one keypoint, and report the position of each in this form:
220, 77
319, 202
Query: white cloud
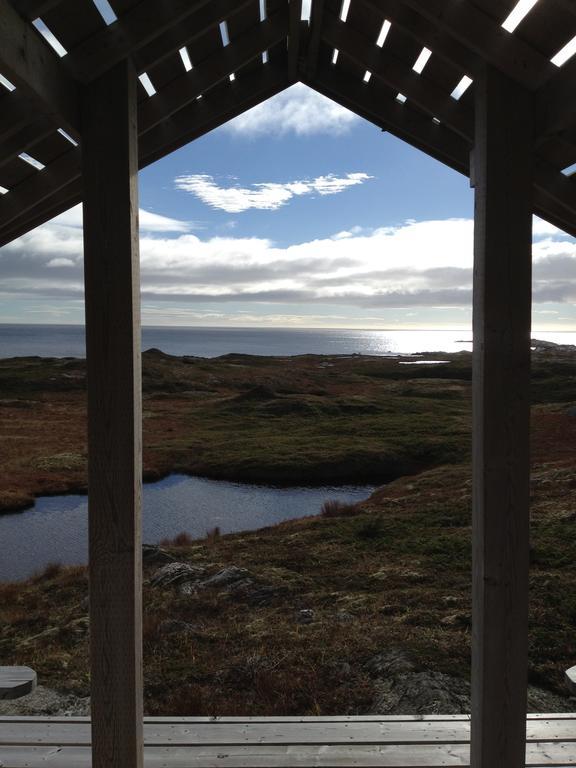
148, 221
419, 266
298, 110
60, 263
266, 196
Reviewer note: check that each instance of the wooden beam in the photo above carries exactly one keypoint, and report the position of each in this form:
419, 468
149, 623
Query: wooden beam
297, 33
214, 109
375, 104
314, 38
501, 406
31, 64
111, 264
32, 9
153, 111
148, 34
555, 103
195, 120
427, 33
483, 35
550, 192
24, 140
213, 70
398, 75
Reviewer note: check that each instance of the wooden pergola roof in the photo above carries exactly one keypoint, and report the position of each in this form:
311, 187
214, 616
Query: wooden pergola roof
270, 47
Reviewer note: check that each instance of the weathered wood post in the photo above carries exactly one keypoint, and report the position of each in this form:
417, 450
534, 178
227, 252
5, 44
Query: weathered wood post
501, 403
111, 265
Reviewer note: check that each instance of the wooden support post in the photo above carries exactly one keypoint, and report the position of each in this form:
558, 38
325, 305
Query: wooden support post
111, 264
501, 399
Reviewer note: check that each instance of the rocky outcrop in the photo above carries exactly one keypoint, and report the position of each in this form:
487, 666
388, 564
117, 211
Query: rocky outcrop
402, 689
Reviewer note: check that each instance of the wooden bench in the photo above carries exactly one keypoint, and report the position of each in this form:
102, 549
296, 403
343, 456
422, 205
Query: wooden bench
16, 682
283, 742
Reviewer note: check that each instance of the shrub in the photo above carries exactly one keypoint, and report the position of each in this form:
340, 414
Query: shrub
336, 508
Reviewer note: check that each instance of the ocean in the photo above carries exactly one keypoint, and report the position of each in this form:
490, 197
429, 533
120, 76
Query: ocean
68, 341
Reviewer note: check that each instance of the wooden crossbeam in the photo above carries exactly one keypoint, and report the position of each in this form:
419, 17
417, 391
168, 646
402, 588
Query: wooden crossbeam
555, 105
215, 109
313, 53
474, 37
193, 121
479, 32
427, 33
554, 195
23, 139
556, 102
154, 111
376, 106
19, 112
397, 74
148, 33
294, 37
31, 64
31, 9
213, 70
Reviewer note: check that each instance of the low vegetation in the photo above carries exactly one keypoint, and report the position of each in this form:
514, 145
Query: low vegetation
287, 619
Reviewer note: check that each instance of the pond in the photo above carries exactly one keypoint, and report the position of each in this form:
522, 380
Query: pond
56, 528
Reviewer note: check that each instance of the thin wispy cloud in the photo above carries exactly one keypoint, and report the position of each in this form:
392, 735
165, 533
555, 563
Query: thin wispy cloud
299, 111
264, 196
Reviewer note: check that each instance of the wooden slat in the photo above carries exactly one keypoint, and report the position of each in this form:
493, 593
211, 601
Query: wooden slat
427, 33
31, 9
184, 89
501, 415
271, 719
555, 103
139, 26
186, 125
379, 108
396, 74
313, 52
215, 108
411, 756
309, 732
485, 37
30, 63
111, 269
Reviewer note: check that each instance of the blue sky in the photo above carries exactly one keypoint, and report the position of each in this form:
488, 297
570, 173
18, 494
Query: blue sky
296, 214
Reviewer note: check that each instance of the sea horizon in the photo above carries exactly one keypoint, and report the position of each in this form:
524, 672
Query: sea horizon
68, 340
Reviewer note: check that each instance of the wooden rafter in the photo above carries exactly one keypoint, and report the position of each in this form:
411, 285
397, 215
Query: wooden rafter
485, 37
31, 64
422, 29
182, 92
556, 103
554, 194
213, 70
148, 34
32, 9
193, 121
394, 72
313, 52
376, 106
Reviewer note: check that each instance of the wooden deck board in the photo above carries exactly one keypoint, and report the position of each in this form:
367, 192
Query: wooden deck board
216, 734
291, 742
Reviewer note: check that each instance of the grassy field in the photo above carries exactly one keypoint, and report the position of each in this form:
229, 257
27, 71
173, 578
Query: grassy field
294, 632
